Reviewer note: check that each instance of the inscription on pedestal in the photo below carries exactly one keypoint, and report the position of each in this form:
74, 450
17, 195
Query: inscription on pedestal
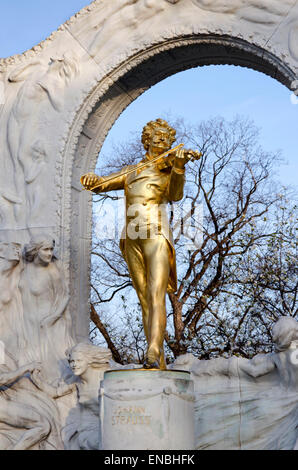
130, 415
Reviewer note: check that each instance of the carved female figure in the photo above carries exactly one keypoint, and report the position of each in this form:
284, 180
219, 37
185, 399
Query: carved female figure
265, 387
45, 298
88, 362
42, 88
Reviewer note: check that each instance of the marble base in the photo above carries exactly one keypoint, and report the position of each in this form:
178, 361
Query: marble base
147, 410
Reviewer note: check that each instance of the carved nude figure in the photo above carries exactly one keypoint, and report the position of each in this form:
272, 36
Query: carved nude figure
257, 406
28, 418
88, 362
285, 338
45, 297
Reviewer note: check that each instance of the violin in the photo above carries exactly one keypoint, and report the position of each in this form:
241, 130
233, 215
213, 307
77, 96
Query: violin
169, 157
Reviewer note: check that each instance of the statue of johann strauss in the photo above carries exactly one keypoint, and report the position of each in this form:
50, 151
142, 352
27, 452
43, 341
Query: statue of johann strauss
148, 246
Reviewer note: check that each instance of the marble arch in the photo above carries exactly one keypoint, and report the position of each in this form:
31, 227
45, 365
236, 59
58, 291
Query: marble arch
62, 97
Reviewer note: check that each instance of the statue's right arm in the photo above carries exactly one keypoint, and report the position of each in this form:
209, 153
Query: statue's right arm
54, 391
103, 184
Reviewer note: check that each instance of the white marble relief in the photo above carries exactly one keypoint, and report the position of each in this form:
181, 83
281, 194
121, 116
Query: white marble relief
248, 404
29, 418
45, 297
88, 362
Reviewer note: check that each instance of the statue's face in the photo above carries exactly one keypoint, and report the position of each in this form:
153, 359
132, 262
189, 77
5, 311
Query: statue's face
78, 363
160, 141
45, 253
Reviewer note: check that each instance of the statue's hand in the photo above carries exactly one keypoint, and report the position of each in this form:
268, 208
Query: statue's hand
181, 159
193, 155
183, 156
90, 180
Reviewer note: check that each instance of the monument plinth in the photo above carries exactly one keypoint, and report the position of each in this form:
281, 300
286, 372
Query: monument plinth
147, 410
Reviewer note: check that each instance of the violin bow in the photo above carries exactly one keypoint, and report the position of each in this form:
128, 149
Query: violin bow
140, 167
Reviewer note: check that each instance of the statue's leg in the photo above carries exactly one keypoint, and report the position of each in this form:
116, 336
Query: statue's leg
137, 270
156, 253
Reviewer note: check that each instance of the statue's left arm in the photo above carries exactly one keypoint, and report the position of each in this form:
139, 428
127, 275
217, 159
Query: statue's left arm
7, 378
176, 184
177, 178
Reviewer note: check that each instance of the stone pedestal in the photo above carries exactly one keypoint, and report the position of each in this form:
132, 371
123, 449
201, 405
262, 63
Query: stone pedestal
147, 410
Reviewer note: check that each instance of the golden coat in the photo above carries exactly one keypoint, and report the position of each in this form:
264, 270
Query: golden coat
145, 190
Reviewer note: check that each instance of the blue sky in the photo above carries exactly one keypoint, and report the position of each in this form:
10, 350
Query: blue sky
195, 94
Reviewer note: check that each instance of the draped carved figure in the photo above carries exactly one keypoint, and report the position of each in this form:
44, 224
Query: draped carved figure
35, 332
42, 88
249, 403
29, 418
123, 14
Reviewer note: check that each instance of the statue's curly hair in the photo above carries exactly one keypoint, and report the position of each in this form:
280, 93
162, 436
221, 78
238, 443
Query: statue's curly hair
150, 126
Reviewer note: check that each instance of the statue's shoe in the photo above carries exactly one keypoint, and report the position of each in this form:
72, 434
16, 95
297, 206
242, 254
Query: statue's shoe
163, 364
151, 364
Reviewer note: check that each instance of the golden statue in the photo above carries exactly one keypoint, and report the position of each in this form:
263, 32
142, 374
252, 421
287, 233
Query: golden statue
147, 244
